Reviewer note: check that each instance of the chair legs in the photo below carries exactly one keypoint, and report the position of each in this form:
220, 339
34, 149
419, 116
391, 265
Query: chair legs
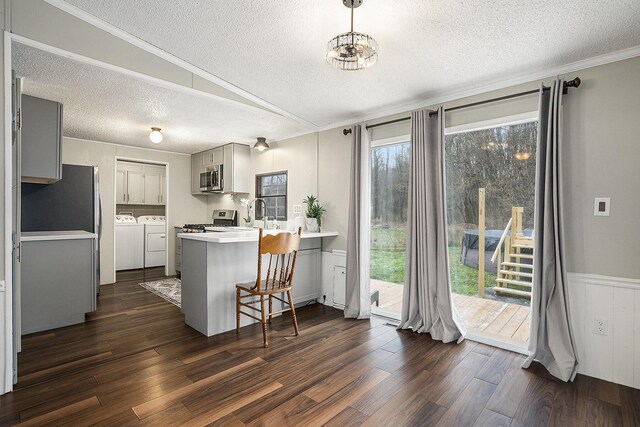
264, 322
264, 314
237, 311
293, 313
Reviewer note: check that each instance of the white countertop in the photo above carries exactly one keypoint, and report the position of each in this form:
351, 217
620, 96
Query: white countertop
246, 236
34, 236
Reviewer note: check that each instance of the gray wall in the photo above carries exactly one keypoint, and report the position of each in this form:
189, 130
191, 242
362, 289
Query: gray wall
601, 158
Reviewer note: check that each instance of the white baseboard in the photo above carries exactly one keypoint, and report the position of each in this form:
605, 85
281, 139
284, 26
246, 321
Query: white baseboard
613, 357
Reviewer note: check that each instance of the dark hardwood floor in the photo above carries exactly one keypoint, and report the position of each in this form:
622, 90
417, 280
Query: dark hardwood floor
134, 362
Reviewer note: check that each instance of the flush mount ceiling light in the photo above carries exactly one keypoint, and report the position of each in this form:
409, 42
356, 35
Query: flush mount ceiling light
261, 145
352, 51
155, 136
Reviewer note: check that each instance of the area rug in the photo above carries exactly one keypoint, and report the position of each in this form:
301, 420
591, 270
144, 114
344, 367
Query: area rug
168, 289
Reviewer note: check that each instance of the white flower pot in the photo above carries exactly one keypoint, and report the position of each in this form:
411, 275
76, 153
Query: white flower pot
312, 225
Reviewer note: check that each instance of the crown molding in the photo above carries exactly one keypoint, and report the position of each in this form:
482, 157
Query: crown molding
148, 47
474, 90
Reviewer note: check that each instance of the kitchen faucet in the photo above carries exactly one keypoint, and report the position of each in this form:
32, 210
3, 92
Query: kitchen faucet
264, 205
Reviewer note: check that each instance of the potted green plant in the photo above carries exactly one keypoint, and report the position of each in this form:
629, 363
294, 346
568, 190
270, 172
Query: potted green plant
314, 213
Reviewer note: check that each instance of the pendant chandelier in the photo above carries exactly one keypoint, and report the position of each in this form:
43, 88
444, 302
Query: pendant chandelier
352, 51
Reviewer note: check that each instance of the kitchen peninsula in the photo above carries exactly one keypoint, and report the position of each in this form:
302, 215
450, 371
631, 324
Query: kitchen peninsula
212, 264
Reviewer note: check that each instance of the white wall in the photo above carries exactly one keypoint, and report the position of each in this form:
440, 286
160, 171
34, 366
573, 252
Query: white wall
181, 208
297, 156
615, 356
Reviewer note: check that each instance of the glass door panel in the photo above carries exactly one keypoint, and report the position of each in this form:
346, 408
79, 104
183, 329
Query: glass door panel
490, 186
389, 198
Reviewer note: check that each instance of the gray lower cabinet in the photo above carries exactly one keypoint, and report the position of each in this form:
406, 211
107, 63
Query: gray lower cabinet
306, 276
58, 283
41, 140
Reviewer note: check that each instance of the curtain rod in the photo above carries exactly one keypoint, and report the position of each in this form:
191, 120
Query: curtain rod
571, 83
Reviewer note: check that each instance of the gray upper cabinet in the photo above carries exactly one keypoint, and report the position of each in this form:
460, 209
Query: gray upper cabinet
237, 162
196, 167
212, 157
41, 135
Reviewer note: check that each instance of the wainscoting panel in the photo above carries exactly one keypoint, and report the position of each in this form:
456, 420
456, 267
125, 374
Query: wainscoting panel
614, 356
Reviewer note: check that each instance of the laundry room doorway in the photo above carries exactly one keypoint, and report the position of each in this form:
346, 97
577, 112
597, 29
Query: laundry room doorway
140, 214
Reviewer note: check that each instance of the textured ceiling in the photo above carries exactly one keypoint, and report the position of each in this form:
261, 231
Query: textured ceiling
104, 105
274, 49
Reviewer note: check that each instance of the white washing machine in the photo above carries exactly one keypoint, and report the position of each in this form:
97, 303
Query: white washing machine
155, 245
129, 243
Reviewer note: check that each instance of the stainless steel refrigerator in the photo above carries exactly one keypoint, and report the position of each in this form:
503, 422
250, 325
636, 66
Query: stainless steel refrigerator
72, 203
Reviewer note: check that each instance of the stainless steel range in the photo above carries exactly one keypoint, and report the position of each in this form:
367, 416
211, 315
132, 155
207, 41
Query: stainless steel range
222, 219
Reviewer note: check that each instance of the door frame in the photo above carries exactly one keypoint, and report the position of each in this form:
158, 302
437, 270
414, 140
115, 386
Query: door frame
166, 205
7, 375
508, 120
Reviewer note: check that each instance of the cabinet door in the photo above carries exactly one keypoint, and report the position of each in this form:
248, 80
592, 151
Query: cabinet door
153, 178
135, 187
306, 277
41, 139
339, 286
163, 188
196, 167
121, 186
218, 155
207, 158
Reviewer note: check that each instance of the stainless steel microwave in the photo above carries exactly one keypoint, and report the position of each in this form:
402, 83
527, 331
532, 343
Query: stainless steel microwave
211, 179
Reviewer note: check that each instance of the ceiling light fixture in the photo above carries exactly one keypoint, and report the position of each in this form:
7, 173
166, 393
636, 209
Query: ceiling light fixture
155, 136
352, 51
261, 145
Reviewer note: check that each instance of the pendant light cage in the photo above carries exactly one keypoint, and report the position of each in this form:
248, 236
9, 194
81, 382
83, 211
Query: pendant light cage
352, 51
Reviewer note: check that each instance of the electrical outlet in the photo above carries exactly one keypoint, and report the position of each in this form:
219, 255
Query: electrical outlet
600, 326
297, 209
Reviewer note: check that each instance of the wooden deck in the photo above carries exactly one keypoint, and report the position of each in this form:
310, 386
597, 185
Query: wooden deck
500, 320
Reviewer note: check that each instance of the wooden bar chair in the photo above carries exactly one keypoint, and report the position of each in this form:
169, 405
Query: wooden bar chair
282, 249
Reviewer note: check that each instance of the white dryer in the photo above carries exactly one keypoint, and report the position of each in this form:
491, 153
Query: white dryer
155, 245
129, 243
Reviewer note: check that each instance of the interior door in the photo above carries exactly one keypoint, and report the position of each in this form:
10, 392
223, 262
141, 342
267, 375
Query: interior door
135, 187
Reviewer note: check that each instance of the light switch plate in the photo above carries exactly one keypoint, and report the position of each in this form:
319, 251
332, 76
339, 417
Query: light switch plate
3, 286
297, 209
601, 206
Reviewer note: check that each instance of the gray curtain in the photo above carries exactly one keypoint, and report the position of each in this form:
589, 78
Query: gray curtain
551, 341
358, 300
427, 303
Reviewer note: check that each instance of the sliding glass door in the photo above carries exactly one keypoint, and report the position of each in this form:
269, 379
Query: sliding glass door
389, 197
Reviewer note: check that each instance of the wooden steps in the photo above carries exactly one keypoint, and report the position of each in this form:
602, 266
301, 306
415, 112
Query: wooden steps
516, 264
510, 291
514, 282
516, 273
527, 256
513, 261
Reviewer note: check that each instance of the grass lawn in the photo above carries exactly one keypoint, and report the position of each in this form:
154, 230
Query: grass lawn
388, 255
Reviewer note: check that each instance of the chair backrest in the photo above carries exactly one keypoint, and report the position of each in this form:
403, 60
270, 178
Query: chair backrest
282, 251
